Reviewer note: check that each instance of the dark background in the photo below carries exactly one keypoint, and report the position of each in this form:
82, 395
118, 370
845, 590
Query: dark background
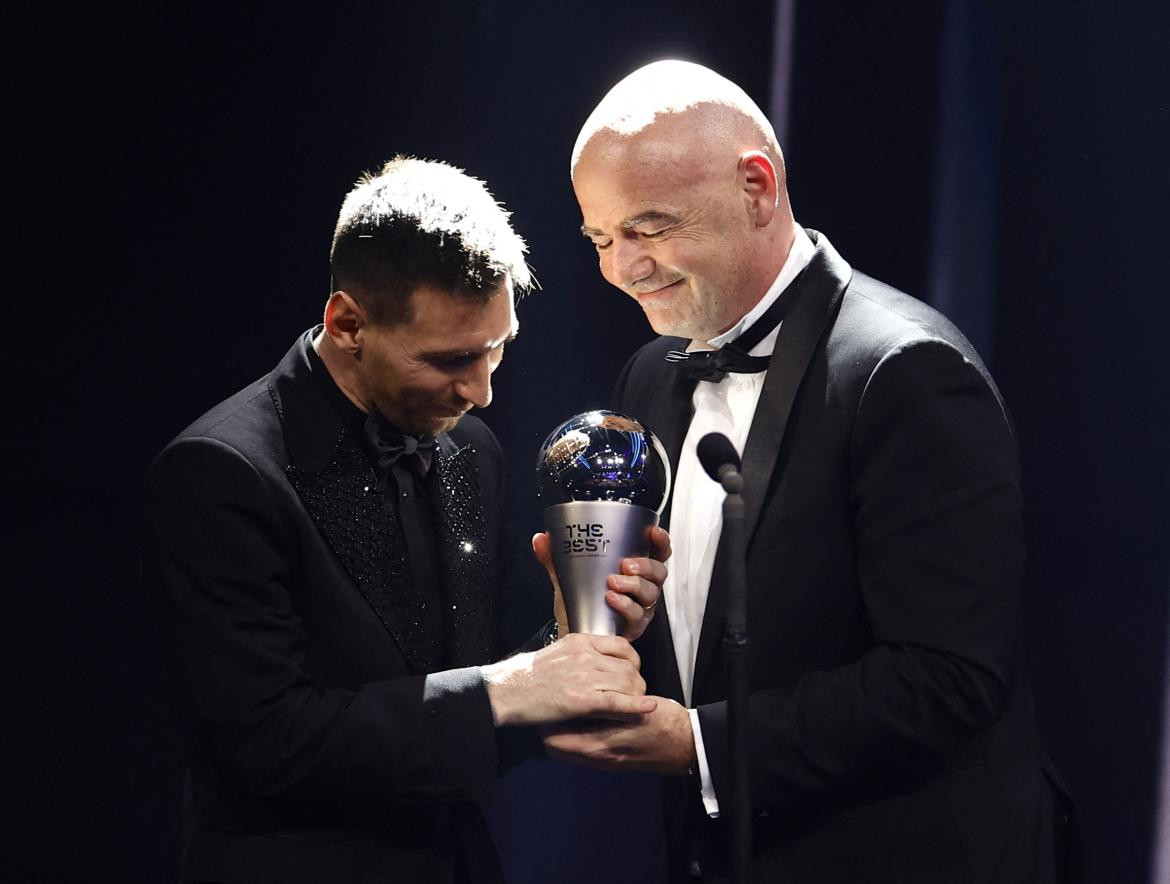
177, 178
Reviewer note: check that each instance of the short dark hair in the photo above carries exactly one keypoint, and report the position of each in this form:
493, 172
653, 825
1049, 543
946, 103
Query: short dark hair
421, 222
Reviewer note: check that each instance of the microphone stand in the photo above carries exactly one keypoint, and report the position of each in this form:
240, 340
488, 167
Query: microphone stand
735, 645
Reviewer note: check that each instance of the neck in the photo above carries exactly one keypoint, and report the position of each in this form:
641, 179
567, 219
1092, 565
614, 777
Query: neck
771, 262
342, 368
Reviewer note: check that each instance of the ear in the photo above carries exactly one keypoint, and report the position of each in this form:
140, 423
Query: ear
344, 322
760, 185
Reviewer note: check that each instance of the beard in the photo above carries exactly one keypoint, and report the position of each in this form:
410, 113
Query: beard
426, 418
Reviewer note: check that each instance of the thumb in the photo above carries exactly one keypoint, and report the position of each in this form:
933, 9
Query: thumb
542, 548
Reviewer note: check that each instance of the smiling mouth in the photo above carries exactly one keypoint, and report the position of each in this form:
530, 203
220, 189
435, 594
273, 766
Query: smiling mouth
664, 290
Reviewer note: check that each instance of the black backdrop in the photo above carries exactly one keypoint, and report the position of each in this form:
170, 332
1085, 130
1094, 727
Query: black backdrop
178, 174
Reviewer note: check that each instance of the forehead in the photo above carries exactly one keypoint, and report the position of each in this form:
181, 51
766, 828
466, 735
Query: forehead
619, 177
458, 321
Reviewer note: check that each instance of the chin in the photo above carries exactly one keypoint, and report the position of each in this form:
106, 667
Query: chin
675, 314
443, 425
664, 323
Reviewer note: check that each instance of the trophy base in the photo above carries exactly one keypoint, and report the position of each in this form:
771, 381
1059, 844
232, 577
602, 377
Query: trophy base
589, 541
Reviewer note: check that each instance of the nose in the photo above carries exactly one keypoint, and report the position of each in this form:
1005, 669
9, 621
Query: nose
628, 262
475, 384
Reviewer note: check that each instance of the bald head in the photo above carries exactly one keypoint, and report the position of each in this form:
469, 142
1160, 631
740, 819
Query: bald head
685, 97
681, 187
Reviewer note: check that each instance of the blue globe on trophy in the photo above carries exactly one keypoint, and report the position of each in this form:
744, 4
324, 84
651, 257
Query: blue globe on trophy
604, 479
603, 455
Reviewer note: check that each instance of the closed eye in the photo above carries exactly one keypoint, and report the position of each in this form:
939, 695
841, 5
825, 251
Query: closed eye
457, 361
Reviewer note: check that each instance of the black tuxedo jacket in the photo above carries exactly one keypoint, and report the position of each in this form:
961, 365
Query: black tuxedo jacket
891, 735
325, 745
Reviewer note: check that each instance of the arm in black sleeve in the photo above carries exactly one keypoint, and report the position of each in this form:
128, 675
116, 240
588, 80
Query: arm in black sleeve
939, 546
219, 569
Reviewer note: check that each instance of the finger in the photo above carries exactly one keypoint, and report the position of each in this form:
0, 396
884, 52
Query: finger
628, 608
578, 726
614, 646
561, 738
610, 663
542, 549
628, 681
583, 652
570, 745
648, 569
583, 737
605, 672
644, 592
659, 544
621, 707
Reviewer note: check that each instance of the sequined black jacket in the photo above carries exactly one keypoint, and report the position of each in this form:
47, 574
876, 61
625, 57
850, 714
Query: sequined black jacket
324, 744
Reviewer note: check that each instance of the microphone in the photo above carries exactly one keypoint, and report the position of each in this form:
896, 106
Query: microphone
721, 461
718, 456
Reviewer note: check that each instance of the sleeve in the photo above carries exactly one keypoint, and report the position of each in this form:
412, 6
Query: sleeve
218, 570
706, 784
938, 539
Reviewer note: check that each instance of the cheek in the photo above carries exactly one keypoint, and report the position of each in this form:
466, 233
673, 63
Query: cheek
420, 386
431, 389
710, 266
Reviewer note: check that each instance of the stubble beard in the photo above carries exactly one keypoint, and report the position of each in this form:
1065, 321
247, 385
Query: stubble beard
444, 425
680, 319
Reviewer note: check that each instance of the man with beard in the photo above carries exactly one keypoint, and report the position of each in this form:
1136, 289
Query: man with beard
324, 553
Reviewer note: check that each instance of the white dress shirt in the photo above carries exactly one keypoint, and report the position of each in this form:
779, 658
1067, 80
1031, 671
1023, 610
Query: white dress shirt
696, 514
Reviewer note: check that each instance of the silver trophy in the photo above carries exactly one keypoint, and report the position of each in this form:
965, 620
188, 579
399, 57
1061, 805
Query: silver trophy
604, 479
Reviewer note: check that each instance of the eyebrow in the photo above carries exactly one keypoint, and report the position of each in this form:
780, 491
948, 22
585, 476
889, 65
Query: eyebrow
455, 354
630, 223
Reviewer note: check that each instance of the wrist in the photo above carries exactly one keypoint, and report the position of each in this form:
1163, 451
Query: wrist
500, 680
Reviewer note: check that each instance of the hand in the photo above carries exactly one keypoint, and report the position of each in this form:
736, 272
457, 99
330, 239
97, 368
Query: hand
659, 742
579, 676
634, 593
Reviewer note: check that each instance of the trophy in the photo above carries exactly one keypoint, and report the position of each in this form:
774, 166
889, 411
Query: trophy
604, 479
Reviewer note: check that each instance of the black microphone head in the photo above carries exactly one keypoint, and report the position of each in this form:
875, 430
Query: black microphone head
715, 450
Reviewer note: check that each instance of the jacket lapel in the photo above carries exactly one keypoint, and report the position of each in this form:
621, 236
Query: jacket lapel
464, 563
664, 407
339, 490
349, 507
814, 303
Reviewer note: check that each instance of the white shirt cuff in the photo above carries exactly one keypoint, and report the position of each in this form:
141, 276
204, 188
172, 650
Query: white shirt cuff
710, 802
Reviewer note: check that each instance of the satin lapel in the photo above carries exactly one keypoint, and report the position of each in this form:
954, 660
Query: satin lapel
662, 403
350, 509
814, 303
464, 563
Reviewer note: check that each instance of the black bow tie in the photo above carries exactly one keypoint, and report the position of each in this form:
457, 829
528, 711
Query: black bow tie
714, 365
388, 445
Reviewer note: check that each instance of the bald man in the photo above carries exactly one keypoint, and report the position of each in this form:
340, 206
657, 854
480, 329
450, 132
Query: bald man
892, 735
